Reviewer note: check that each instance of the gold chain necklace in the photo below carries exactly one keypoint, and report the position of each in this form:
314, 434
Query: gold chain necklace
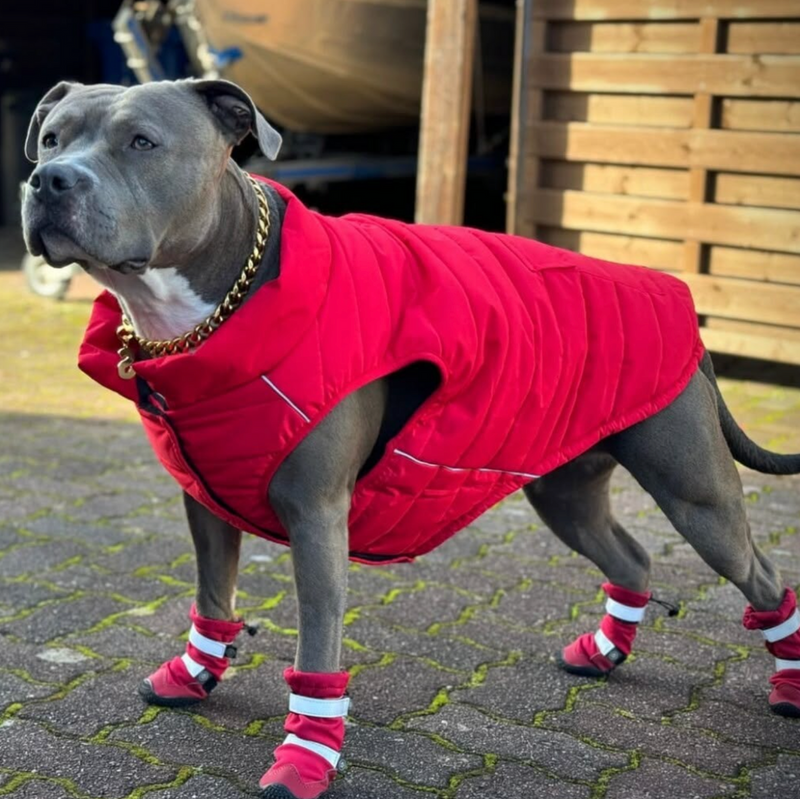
233, 299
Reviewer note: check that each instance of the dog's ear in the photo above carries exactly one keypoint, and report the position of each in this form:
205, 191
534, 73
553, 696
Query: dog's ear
46, 105
237, 114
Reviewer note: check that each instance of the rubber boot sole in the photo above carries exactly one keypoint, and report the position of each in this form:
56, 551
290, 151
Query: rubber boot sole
581, 671
277, 792
152, 698
786, 709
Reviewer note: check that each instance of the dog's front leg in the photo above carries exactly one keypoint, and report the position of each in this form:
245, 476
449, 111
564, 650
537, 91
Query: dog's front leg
311, 495
188, 679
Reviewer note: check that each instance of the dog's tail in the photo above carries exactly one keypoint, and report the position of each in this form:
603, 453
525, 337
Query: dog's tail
743, 449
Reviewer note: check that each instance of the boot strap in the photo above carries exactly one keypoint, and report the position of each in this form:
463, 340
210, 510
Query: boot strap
319, 708
607, 648
624, 612
784, 629
781, 664
209, 646
325, 752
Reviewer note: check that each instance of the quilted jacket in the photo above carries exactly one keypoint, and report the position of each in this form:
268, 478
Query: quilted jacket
542, 353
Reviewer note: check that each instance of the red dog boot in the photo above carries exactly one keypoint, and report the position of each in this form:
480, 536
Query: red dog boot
310, 756
190, 678
781, 631
598, 654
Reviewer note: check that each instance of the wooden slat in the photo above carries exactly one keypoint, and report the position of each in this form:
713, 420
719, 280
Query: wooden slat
746, 300
773, 267
770, 348
735, 151
655, 253
446, 104
623, 37
699, 177
618, 109
754, 329
663, 9
764, 37
782, 116
670, 184
731, 75
758, 190
714, 224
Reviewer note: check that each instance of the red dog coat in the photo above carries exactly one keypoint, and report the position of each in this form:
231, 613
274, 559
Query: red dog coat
542, 353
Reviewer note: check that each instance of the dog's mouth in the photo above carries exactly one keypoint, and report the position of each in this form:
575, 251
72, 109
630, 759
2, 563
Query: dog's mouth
60, 249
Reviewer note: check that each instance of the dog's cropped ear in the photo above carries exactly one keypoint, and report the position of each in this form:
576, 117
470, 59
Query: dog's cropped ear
46, 105
237, 114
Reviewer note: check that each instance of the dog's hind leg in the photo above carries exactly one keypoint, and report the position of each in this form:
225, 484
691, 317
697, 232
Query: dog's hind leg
680, 457
189, 678
574, 502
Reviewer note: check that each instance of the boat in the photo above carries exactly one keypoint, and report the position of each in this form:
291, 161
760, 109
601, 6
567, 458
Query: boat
344, 66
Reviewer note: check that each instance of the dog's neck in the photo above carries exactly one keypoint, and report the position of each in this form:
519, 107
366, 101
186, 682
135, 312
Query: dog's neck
168, 301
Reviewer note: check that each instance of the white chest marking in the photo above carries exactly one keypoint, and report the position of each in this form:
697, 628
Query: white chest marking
160, 303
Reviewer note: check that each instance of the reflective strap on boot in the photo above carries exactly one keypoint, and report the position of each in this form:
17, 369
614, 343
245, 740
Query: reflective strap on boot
784, 629
607, 648
325, 752
781, 664
319, 708
624, 612
209, 646
192, 666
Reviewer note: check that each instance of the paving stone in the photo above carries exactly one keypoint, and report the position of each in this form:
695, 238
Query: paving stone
108, 698
33, 659
97, 770
361, 783
39, 557
513, 781
781, 781
522, 690
15, 689
84, 577
246, 695
175, 738
650, 689
654, 739
96, 535
41, 789
441, 648
411, 756
424, 607
15, 597
558, 753
382, 693
657, 780
758, 729
63, 618
203, 786
120, 641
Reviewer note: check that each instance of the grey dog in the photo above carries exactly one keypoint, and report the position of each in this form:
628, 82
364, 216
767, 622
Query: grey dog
168, 237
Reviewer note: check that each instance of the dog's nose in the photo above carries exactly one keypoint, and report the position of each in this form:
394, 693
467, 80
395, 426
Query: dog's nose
52, 181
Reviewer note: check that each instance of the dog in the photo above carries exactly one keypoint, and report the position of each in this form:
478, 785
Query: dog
361, 389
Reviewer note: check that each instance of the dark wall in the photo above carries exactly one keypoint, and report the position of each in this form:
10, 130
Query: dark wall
41, 43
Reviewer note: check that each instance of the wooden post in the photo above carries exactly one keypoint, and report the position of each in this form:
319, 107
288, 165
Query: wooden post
445, 116
526, 111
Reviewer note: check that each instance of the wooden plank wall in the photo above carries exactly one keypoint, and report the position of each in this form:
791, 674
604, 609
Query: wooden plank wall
668, 134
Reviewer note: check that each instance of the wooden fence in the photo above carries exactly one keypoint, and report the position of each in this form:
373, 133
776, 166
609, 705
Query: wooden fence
667, 133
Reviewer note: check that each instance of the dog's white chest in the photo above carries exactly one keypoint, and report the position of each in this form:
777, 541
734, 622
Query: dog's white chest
161, 303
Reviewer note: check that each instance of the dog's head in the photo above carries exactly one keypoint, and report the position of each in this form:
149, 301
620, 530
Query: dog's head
126, 178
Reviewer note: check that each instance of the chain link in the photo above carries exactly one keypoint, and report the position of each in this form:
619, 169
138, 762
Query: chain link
233, 299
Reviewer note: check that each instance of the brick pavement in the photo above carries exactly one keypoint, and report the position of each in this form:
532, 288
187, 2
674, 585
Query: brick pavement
455, 691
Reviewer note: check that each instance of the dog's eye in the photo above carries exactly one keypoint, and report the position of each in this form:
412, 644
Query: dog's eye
141, 143
49, 140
